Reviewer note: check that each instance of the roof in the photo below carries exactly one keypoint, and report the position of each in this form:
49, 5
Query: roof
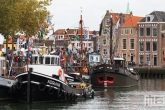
159, 16
118, 58
132, 21
71, 31
115, 18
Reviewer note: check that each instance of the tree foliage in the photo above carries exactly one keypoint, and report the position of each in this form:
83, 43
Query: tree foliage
22, 16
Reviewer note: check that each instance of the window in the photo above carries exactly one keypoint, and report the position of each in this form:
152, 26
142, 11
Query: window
148, 19
108, 22
147, 31
124, 43
126, 31
147, 46
90, 44
124, 55
141, 46
131, 31
131, 43
141, 31
148, 59
61, 37
141, 59
122, 31
104, 42
105, 31
154, 46
154, 31
105, 51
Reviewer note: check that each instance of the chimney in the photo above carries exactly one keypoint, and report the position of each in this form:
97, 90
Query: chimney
131, 13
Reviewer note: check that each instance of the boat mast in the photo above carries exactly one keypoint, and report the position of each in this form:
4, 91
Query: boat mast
81, 31
111, 23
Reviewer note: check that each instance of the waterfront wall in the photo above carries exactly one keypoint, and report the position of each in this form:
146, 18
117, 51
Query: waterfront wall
151, 72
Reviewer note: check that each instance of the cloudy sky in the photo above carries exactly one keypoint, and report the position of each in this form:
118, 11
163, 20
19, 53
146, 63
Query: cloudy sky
66, 13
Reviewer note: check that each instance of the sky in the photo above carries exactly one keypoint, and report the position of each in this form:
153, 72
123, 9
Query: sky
66, 13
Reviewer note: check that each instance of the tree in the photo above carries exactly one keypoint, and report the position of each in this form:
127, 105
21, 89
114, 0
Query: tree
24, 16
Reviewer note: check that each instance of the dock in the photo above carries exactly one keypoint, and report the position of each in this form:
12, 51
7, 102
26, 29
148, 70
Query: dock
150, 72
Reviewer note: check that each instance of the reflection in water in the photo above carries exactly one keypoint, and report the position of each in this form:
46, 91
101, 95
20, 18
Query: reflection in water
105, 99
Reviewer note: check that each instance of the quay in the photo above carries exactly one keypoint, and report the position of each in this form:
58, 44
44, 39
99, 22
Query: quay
150, 72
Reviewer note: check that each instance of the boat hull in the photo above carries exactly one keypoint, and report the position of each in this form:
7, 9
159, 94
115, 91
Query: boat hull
43, 89
5, 85
108, 78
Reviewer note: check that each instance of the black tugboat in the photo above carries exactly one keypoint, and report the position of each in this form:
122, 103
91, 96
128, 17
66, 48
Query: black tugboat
45, 81
114, 73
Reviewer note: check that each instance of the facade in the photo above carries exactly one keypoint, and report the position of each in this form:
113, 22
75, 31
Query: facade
128, 39
150, 39
62, 39
163, 47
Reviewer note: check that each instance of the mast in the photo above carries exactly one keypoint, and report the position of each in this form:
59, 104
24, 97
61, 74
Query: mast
81, 31
111, 23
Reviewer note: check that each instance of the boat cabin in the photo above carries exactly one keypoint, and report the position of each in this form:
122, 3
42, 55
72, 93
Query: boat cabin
119, 63
46, 59
94, 57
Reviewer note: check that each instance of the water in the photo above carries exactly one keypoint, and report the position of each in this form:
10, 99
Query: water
105, 99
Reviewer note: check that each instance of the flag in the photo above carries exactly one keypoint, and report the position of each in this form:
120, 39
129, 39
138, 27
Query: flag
76, 34
49, 20
94, 34
86, 34
18, 43
116, 27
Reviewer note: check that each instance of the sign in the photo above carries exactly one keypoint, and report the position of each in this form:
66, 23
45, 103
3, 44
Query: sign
51, 82
154, 100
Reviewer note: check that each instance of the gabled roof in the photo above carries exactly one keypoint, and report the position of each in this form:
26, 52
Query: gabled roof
132, 21
159, 16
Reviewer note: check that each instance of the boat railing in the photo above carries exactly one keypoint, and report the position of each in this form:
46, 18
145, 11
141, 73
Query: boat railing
128, 73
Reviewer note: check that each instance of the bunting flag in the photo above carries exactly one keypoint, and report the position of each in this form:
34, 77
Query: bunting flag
94, 34
116, 27
86, 34
49, 20
76, 35
18, 40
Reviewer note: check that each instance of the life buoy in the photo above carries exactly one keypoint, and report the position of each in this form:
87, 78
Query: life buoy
24, 69
41, 86
59, 72
64, 80
51, 90
18, 85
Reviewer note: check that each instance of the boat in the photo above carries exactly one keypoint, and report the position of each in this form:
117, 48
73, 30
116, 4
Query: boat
44, 80
115, 72
5, 81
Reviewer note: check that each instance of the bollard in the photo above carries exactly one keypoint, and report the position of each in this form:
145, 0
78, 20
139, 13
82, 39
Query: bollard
28, 86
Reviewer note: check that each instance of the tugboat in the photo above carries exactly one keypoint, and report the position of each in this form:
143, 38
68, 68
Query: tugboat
5, 81
114, 73
44, 80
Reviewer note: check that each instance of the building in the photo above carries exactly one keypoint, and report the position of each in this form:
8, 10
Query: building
104, 32
128, 39
150, 39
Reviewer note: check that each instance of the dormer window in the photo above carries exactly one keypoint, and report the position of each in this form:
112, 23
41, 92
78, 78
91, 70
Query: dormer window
107, 22
148, 19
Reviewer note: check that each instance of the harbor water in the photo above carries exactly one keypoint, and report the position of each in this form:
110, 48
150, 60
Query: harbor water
148, 95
